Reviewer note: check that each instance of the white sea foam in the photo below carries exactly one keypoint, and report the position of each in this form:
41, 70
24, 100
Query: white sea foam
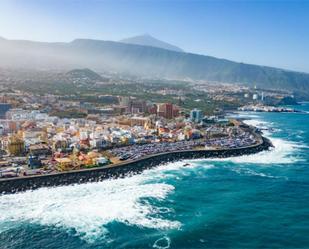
162, 243
284, 152
246, 115
88, 208
257, 123
250, 172
176, 170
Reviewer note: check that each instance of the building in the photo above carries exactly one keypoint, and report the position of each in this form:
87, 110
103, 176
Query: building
152, 109
139, 121
64, 163
124, 100
196, 115
138, 106
34, 162
101, 161
168, 110
16, 146
40, 149
3, 109
175, 111
107, 111
120, 109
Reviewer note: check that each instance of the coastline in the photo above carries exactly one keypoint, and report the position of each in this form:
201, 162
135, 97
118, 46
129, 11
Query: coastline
20, 184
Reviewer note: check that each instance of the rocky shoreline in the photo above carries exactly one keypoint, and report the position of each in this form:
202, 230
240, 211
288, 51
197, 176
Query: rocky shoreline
14, 185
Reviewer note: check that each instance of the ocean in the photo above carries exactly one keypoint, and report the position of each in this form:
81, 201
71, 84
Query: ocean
252, 201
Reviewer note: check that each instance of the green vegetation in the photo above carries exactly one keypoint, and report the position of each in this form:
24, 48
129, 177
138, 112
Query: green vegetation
149, 90
85, 74
151, 62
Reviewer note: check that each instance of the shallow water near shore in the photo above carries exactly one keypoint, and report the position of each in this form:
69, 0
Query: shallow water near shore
251, 201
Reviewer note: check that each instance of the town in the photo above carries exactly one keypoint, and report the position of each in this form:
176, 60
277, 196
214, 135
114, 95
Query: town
34, 142
58, 122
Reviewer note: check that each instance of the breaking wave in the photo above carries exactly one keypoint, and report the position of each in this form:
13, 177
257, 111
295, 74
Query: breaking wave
88, 208
134, 201
284, 151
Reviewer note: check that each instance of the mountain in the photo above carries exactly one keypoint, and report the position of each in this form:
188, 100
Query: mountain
148, 40
145, 61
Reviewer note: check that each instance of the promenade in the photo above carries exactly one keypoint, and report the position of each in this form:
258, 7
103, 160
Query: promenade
122, 169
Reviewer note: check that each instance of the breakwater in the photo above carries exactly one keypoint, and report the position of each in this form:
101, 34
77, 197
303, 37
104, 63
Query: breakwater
18, 184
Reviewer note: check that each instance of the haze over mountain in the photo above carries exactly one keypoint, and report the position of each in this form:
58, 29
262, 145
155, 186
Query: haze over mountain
145, 61
148, 40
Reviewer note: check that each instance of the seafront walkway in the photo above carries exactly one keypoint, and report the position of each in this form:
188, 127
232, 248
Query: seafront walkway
122, 169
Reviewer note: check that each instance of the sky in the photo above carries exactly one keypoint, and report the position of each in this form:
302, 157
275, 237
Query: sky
272, 33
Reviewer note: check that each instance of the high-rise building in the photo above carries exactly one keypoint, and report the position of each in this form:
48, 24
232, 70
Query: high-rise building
138, 106
196, 115
168, 110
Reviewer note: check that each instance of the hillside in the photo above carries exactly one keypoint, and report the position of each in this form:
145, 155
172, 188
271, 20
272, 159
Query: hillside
85, 74
146, 61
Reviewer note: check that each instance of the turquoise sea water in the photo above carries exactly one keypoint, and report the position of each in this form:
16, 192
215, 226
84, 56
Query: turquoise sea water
255, 201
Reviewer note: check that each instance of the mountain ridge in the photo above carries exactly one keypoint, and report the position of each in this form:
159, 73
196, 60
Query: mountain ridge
146, 61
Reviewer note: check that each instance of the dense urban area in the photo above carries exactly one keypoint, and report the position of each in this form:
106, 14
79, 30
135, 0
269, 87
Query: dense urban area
54, 122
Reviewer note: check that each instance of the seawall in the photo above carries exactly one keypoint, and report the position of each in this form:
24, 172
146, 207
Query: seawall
13, 185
